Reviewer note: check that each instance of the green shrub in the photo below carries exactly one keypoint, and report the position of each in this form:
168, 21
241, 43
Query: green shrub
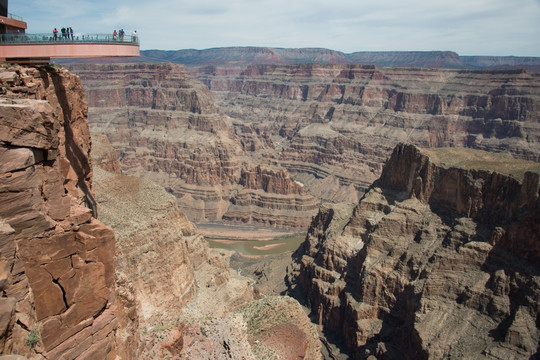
33, 338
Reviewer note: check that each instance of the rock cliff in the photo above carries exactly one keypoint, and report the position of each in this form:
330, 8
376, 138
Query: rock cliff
439, 259
56, 259
333, 126
154, 272
165, 127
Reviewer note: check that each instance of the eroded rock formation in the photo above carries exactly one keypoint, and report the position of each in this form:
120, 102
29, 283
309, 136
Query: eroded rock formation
166, 127
333, 126
439, 259
56, 259
330, 126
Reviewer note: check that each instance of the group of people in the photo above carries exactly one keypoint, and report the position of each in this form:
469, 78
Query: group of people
66, 34
120, 35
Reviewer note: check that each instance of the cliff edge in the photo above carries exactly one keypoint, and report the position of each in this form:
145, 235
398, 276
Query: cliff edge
56, 260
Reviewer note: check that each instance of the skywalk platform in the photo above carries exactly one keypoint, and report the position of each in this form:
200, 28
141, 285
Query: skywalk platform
41, 48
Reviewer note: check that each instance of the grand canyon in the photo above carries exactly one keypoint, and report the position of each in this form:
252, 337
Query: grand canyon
416, 191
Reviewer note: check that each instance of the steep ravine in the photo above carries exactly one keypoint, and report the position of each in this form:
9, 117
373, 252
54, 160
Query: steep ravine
74, 289
439, 259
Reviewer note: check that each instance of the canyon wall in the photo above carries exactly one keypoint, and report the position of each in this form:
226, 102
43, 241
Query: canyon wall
333, 126
329, 126
439, 259
56, 259
250, 55
154, 245
165, 127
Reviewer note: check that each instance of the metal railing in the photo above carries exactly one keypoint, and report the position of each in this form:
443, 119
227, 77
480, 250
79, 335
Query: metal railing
15, 17
49, 38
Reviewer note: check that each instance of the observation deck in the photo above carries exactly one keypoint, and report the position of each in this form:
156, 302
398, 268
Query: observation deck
23, 48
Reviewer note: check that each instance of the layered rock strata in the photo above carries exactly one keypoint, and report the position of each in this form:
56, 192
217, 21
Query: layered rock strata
56, 259
166, 127
330, 126
333, 126
179, 298
439, 259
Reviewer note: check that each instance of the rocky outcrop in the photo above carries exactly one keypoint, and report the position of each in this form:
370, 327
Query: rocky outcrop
165, 127
271, 328
56, 260
439, 259
333, 126
277, 327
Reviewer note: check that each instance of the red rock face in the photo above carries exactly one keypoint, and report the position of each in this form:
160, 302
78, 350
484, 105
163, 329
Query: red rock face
165, 127
59, 259
439, 259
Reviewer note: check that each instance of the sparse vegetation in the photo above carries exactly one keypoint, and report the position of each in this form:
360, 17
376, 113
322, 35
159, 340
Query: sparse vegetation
52, 66
33, 337
160, 328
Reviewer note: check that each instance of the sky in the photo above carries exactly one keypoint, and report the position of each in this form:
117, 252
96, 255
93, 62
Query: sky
468, 27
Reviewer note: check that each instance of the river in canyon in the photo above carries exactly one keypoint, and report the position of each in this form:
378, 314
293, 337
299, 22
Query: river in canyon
251, 240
